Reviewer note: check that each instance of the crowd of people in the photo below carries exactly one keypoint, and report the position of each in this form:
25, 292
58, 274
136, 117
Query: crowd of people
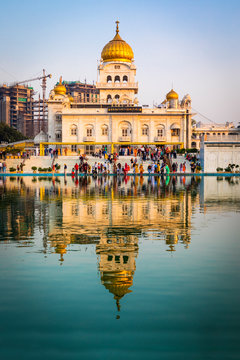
144, 159
147, 153
160, 164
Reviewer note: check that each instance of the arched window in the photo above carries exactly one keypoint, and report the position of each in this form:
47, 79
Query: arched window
104, 130
125, 128
59, 117
74, 148
124, 99
117, 79
175, 130
73, 129
58, 135
160, 130
89, 130
193, 145
116, 99
144, 130
125, 78
109, 79
109, 99
124, 132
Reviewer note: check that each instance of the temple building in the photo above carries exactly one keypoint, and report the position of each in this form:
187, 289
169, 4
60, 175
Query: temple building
114, 116
217, 132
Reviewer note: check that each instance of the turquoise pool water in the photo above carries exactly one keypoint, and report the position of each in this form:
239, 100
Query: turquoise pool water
113, 268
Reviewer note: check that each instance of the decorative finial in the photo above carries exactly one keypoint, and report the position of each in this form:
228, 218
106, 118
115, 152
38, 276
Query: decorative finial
60, 80
117, 29
118, 304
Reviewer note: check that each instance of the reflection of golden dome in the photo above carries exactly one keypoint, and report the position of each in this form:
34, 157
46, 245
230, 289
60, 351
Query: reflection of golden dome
60, 249
60, 88
172, 95
118, 283
117, 49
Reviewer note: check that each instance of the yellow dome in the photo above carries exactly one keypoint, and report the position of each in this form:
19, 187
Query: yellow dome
70, 98
172, 95
117, 49
60, 88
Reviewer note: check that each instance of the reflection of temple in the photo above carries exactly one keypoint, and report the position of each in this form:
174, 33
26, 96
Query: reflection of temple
117, 264
16, 211
111, 213
93, 212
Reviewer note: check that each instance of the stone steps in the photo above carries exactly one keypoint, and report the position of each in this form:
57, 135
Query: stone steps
70, 161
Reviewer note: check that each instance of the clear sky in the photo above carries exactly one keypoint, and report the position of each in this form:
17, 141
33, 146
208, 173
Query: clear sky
194, 44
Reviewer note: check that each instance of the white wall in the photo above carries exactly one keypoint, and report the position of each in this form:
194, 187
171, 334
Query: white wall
219, 155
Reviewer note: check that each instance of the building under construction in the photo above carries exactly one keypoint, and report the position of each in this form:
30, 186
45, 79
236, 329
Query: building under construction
16, 108
40, 116
82, 92
19, 108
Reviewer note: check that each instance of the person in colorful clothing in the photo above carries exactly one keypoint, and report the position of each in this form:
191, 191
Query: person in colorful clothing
167, 169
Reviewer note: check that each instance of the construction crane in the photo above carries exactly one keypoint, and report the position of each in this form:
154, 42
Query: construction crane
44, 78
43, 85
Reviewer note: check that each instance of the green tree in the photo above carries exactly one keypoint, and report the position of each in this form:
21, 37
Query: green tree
9, 134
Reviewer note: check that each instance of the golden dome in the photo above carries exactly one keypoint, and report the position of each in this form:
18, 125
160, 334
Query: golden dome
172, 95
117, 49
60, 88
70, 98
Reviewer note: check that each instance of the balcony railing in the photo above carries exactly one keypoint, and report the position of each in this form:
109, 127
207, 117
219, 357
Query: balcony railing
124, 138
119, 85
89, 138
222, 138
160, 138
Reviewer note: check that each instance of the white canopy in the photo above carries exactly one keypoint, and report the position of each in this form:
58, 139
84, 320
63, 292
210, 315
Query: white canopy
41, 137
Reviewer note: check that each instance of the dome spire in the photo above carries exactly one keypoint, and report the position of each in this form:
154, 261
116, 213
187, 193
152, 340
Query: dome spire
117, 49
60, 88
117, 28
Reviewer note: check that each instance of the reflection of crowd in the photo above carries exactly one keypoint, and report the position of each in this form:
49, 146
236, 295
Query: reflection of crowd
162, 185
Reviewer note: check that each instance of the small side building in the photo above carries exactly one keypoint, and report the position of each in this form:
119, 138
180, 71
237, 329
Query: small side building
218, 152
217, 131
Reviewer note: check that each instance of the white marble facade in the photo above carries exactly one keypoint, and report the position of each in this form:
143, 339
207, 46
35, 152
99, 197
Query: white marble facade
126, 121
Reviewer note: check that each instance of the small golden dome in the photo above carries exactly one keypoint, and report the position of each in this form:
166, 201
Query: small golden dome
70, 98
117, 49
172, 95
60, 88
